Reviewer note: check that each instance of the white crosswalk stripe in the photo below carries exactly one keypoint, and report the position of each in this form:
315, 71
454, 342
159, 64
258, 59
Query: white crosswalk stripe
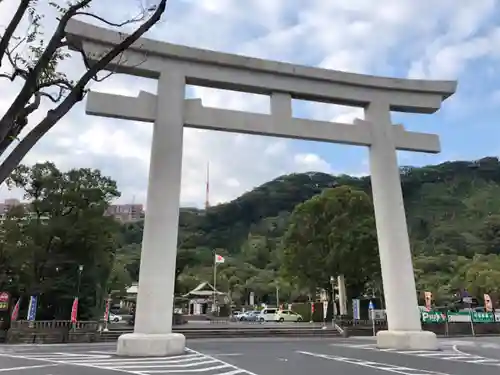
191, 362
447, 355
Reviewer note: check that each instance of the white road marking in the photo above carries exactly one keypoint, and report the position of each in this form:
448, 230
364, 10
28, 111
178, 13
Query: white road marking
242, 371
375, 365
472, 358
25, 367
167, 364
431, 354
232, 372
191, 362
139, 360
205, 369
485, 345
109, 352
483, 360
358, 345
490, 346
54, 345
447, 355
458, 342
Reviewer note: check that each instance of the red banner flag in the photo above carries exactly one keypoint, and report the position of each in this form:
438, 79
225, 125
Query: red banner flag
488, 303
15, 311
74, 310
428, 300
106, 312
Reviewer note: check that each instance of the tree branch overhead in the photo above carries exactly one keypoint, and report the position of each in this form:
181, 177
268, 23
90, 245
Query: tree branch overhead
39, 70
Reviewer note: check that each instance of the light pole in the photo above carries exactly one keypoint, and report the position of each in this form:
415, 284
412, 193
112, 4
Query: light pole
80, 270
332, 283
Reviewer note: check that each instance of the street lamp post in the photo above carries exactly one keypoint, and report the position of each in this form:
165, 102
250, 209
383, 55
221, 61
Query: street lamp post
80, 270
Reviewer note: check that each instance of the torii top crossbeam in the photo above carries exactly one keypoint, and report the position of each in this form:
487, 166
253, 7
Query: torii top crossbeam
240, 73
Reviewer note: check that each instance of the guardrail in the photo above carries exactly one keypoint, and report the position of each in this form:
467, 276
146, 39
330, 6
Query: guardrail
459, 327
54, 325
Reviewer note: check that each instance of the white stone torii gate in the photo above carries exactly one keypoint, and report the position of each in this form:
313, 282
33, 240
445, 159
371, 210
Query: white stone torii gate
174, 66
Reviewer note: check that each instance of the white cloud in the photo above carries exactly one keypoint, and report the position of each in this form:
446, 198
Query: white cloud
437, 39
311, 162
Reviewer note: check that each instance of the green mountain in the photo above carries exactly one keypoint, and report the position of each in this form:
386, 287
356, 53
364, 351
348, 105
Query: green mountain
453, 214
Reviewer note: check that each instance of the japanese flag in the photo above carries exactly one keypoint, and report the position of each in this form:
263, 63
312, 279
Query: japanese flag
219, 258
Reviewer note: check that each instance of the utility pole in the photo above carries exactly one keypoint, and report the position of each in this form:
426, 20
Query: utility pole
332, 283
277, 296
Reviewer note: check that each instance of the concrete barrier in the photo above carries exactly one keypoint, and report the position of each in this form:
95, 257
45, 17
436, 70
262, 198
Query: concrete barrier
241, 332
45, 332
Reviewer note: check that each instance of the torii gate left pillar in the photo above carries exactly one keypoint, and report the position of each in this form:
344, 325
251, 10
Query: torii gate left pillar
174, 67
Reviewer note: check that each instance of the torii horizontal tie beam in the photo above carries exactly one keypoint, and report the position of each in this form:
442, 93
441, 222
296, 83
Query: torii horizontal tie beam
143, 108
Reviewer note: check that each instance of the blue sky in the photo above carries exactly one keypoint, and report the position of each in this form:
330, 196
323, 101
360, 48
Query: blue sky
399, 38
466, 123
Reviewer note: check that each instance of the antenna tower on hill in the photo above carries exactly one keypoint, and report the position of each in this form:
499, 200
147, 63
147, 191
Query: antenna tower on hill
207, 193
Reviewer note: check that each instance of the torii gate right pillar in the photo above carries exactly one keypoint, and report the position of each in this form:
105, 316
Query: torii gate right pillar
404, 330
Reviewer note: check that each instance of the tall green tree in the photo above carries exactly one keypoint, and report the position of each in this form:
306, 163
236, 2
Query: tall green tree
61, 228
330, 234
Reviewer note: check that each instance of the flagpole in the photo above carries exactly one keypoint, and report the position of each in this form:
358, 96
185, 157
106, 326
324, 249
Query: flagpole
215, 281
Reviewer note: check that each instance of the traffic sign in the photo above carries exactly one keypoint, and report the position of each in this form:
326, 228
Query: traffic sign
371, 306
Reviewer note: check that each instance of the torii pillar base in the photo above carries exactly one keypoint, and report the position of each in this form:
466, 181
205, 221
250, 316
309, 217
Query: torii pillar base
407, 340
151, 345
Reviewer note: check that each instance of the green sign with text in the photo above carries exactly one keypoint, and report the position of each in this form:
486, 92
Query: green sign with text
433, 317
462, 316
483, 317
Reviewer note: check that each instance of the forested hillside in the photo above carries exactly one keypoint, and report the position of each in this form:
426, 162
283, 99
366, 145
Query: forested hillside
453, 212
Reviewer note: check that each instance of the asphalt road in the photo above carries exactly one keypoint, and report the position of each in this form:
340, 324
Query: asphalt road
264, 356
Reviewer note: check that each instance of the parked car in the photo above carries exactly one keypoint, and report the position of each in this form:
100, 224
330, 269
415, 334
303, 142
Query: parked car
268, 315
289, 316
113, 318
238, 314
250, 316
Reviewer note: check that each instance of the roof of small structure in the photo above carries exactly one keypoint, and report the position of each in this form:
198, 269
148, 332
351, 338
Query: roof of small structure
133, 289
200, 291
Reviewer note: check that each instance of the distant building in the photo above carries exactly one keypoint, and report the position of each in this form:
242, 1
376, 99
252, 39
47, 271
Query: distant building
9, 204
126, 212
201, 299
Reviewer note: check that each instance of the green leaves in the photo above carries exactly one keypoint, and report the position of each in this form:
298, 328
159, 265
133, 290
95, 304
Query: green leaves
453, 212
332, 233
63, 226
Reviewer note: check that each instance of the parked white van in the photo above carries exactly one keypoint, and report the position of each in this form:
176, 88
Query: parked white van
269, 315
